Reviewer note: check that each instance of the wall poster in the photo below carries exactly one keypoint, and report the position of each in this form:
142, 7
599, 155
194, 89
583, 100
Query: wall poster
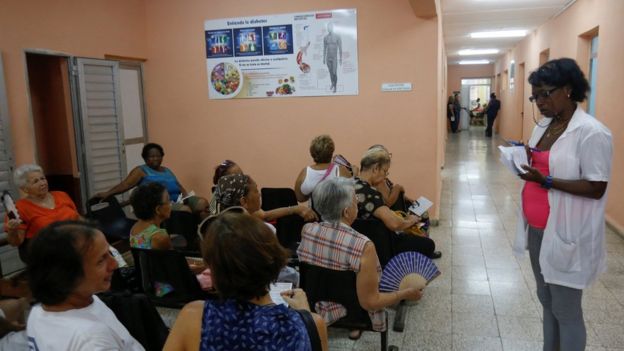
296, 54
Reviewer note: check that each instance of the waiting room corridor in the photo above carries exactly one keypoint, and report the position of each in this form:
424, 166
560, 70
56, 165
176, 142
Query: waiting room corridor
485, 298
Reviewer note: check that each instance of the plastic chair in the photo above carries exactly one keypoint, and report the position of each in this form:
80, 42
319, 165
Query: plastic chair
381, 236
322, 284
169, 267
288, 228
110, 218
184, 224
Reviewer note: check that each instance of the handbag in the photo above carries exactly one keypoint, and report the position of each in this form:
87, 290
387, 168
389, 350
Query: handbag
419, 228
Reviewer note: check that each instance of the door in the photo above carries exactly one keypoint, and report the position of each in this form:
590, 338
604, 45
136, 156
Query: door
134, 128
100, 136
9, 259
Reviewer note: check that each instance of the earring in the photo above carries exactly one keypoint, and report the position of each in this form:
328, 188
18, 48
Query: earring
568, 96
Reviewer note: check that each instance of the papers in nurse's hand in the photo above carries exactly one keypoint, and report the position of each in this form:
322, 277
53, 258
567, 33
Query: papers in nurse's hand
275, 291
513, 157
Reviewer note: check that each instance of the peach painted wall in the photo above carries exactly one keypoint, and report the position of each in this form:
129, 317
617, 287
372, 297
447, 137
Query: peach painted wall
457, 72
561, 36
269, 138
81, 28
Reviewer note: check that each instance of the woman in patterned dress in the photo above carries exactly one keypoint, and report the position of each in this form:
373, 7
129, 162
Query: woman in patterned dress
245, 258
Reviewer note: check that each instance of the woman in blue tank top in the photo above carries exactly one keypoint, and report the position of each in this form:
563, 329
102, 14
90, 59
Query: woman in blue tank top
153, 171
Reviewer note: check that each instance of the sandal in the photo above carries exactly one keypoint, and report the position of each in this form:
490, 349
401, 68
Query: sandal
355, 334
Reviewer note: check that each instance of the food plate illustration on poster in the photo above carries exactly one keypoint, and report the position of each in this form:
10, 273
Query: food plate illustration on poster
297, 54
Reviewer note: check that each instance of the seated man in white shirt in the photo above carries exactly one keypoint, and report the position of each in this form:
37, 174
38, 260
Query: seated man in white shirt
70, 263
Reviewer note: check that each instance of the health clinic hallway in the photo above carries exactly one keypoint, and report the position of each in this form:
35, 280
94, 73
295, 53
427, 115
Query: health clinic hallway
485, 298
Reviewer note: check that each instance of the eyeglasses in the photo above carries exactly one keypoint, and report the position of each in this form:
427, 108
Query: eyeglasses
202, 228
542, 94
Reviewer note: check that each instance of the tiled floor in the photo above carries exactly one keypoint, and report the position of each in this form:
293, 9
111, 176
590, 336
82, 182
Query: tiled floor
485, 299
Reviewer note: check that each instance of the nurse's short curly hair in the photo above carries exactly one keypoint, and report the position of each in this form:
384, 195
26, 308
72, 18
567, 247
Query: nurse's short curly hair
559, 73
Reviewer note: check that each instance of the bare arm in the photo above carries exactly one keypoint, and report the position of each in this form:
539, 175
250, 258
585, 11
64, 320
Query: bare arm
133, 178
161, 241
392, 221
322, 330
302, 211
390, 196
186, 332
15, 236
367, 284
301, 197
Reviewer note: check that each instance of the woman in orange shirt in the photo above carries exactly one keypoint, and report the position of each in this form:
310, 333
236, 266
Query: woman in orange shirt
39, 208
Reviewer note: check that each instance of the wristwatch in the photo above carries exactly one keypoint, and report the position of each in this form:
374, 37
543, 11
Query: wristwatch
548, 183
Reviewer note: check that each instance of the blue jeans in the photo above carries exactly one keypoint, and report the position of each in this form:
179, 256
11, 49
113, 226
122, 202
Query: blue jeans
564, 327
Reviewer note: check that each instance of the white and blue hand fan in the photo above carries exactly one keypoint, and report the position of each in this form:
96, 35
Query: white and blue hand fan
407, 269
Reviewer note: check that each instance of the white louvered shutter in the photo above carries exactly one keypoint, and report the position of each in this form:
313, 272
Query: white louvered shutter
9, 260
101, 123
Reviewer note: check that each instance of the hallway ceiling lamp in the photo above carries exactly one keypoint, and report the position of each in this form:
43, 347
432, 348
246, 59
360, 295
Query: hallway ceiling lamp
474, 62
467, 52
500, 34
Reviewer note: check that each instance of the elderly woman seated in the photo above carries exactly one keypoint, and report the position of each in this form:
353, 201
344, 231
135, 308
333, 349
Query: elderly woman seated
375, 167
324, 167
70, 262
39, 208
392, 193
333, 244
245, 258
240, 190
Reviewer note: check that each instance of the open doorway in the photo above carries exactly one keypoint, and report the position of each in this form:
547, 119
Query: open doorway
475, 93
51, 104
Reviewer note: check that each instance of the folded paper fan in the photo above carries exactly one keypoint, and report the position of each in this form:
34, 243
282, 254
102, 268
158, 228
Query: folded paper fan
408, 269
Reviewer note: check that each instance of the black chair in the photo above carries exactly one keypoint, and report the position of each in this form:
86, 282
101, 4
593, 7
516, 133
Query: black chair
184, 224
110, 218
168, 267
381, 236
322, 284
137, 313
383, 239
288, 228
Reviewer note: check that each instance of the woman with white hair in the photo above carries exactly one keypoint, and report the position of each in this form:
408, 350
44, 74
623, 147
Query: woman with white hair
39, 208
333, 244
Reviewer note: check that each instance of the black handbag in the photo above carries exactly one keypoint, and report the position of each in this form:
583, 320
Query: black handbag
308, 320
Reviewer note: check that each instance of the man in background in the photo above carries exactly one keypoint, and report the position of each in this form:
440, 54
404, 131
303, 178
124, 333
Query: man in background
491, 111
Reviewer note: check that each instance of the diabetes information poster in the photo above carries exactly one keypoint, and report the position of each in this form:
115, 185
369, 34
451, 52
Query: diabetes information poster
297, 54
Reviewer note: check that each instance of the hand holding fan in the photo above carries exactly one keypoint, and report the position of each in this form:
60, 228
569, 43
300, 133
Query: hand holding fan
408, 269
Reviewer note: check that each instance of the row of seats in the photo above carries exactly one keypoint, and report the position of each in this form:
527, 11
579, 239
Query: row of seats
153, 267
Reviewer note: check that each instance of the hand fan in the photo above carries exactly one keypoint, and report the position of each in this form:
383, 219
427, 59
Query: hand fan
408, 269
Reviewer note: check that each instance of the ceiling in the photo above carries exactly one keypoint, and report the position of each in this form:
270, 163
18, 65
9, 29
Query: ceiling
462, 17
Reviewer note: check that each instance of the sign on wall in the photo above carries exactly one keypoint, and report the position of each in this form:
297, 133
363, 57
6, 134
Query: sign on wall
297, 54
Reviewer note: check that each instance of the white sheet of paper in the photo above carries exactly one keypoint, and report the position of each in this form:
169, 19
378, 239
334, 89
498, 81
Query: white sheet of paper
513, 157
275, 291
420, 206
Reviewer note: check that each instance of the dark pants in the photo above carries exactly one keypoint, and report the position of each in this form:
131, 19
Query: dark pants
490, 123
407, 242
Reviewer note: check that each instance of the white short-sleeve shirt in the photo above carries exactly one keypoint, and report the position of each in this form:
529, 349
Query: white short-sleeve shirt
93, 328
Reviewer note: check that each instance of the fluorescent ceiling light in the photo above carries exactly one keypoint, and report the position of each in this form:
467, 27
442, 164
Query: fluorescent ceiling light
499, 34
467, 52
474, 62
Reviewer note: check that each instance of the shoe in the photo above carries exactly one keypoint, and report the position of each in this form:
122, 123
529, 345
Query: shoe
355, 334
436, 254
